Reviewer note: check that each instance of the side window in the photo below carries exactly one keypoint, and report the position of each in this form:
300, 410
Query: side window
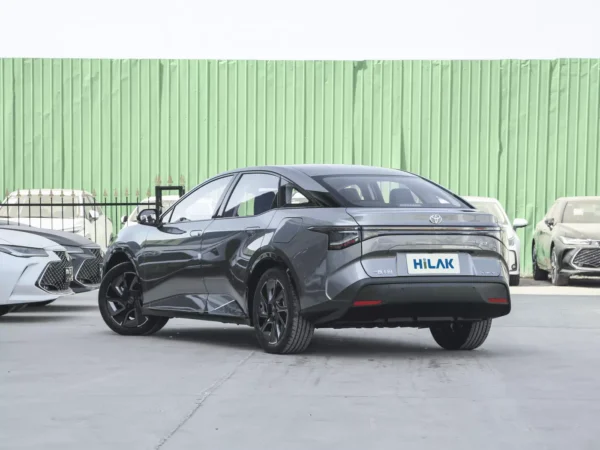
88, 201
552, 212
253, 195
292, 197
202, 203
97, 208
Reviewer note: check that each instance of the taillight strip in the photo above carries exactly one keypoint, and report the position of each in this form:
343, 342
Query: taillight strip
432, 228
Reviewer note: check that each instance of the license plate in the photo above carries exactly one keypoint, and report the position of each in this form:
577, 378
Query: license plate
69, 274
432, 264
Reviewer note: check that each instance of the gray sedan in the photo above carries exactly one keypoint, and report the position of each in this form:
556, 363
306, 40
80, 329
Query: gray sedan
566, 242
287, 249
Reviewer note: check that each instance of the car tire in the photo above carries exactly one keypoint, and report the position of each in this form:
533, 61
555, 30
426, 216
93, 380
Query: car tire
461, 336
5, 309
538, 274
514, 280
276, 304
555, 277
120, 309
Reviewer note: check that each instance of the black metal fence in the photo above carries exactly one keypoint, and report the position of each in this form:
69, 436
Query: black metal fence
81, 212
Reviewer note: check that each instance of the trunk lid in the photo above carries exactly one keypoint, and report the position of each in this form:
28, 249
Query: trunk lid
395, 239
412, 217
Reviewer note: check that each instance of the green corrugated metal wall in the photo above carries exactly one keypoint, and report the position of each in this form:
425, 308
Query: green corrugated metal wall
523, 131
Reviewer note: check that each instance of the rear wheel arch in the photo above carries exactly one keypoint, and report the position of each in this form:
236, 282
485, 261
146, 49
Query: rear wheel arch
263, 263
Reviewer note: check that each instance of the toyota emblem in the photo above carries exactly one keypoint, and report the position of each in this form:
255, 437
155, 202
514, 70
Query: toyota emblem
435, 219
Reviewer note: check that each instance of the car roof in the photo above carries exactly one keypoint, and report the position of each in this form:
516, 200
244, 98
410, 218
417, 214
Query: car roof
581, 197
314, 170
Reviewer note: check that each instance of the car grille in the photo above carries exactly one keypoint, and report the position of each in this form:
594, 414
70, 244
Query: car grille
53, 279
588, 258
90, 270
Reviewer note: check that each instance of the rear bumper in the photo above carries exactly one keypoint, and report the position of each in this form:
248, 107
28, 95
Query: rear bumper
414, 301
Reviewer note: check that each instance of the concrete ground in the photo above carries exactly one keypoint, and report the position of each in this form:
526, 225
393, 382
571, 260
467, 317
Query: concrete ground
68, 382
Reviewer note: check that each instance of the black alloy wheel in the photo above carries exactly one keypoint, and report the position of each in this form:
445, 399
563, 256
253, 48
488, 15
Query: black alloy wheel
273, 311
120, 303
276, 315
124, 298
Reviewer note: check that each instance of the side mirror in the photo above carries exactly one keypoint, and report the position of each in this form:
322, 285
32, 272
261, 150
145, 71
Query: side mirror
124, 219
549, 222
520, 223
147, 217
93, 215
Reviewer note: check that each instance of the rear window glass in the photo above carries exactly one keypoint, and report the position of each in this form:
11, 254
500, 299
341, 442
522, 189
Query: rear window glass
388, 191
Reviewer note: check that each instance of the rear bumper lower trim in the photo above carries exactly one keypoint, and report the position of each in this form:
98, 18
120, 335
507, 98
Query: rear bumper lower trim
416, 300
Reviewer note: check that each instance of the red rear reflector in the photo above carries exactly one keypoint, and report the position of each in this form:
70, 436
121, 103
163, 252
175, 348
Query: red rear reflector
367, 302
498, 300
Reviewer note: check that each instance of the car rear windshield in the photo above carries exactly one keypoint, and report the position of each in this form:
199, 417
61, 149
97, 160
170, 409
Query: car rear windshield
388, 191
582, 211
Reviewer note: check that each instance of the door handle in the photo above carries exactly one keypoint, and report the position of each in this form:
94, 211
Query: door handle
252, 230
196, 233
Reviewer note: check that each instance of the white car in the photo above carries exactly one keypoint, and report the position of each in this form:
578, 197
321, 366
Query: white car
493, 206
34, 270
149, 202
59, 209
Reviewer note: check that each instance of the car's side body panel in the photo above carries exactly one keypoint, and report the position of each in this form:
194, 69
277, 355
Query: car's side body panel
208, 276
170, 266
230, 244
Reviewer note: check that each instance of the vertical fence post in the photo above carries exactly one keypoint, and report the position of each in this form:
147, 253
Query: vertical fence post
62, 210
29, 202
19, 208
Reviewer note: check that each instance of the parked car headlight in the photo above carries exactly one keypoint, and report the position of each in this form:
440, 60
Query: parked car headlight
74, 249
22, 252
575, 241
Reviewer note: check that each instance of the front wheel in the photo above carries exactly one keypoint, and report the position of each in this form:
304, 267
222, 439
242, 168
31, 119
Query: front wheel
120, 303
461, 336
538, 274
276, 315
